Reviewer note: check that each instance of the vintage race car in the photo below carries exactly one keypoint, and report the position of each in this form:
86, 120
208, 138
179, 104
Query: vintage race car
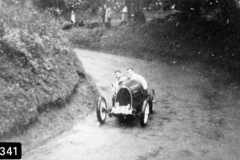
131, 100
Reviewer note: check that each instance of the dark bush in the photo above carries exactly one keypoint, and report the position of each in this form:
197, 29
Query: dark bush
213, 10
139, 17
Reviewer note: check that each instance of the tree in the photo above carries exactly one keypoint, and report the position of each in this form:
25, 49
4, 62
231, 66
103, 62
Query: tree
128, 3
66, 4
213, 10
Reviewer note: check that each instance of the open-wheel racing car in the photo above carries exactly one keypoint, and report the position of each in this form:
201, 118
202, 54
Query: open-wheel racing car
130, 100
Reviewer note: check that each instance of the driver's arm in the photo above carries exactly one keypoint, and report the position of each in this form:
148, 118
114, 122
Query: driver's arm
144, 82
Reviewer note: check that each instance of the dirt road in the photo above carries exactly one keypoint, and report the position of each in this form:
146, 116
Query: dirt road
193, 119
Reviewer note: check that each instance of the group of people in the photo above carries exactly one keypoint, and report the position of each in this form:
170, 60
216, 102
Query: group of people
106, 14
131, 75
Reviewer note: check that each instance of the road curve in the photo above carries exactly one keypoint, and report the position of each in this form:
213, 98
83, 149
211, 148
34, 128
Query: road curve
175, 131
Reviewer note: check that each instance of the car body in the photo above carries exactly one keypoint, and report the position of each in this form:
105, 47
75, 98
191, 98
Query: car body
131, 100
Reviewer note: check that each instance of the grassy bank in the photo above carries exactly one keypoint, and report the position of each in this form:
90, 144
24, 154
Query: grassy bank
38, 70
58, 119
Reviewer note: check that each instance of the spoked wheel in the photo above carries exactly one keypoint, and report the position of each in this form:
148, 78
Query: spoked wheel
144, 114
101, 110
151, 101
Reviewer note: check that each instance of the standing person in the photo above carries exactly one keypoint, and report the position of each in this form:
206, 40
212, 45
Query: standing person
73, 18
124, 15
120, 78
103, 12
108, 16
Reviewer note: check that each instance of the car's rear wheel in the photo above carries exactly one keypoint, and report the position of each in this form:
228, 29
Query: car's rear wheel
151, 101
101, 110
144, 114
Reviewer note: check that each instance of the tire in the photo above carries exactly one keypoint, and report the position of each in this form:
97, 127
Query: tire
101, 110
151, 98
144, 114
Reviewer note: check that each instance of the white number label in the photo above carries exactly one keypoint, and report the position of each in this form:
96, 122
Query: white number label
2, 151
9, 151
15, 149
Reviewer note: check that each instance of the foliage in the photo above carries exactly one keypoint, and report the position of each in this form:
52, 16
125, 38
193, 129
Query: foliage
37, 67
67, 5
169, 40
214, 10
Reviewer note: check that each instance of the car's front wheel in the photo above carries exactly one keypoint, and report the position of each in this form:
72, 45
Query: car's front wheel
101, 110
144, 113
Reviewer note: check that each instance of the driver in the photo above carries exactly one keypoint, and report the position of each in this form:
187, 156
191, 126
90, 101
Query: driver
120, 78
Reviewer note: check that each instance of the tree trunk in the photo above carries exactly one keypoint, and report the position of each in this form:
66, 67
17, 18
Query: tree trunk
129, 8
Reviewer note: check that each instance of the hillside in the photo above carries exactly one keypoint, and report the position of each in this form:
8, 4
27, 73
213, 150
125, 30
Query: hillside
38, 70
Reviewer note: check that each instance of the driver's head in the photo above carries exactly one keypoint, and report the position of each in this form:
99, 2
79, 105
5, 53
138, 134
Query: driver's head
118, 73
130, 72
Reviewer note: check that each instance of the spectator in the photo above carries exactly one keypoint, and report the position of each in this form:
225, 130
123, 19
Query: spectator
108, 17
73, 19
124, 15
103, 12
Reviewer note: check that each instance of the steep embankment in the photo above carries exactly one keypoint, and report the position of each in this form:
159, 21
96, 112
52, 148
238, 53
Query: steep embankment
38, 71
31, 87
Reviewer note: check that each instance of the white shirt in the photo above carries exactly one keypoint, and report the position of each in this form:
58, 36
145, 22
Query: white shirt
108, 13
73, 17
141, 79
